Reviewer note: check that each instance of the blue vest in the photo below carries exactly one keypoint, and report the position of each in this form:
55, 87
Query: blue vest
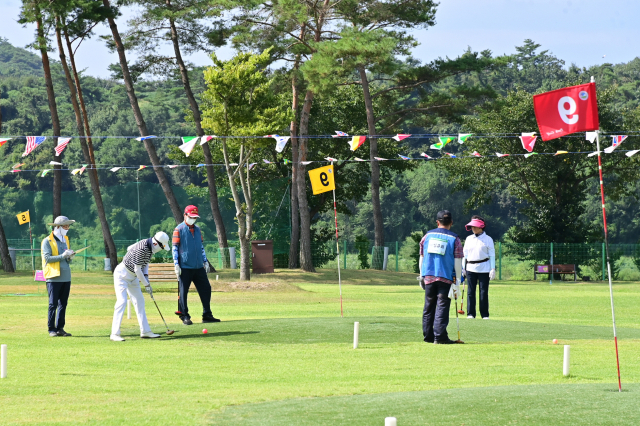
190, 248
435, 264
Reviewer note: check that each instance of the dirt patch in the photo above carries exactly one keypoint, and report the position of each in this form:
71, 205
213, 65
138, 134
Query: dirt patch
253, 286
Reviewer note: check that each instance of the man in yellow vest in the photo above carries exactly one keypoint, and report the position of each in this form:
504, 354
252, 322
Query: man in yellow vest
56, 257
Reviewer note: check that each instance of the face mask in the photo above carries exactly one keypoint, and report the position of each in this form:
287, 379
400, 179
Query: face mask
60, 233
190, 220
155, 247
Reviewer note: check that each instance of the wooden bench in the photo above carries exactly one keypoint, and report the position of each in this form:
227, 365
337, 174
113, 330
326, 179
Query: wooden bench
555, 269
162, 272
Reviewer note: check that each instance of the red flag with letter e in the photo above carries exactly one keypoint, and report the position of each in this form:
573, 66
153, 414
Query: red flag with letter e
565, 111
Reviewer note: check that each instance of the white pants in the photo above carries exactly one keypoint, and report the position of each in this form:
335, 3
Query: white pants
127, 282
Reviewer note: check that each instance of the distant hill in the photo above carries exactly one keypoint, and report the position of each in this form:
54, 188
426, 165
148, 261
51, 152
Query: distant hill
17, 61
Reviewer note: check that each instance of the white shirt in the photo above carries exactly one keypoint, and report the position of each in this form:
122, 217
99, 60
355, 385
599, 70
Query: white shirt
478, 247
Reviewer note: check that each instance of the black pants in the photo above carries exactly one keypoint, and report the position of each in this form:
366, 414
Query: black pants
200, 280
474, 279
435, 316
58, 298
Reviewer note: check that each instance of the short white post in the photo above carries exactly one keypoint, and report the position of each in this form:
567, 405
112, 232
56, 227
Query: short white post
565, 364
390, 421
356, 332
128, 307
3, 361
217, 277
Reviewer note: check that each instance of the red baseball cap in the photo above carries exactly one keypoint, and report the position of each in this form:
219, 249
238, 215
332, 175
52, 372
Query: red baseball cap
191, 211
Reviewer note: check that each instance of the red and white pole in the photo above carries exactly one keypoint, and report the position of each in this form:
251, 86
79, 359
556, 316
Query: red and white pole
335, 214
606, 244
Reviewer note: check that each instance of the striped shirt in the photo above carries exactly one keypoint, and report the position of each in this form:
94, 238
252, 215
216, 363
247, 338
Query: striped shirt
139, 254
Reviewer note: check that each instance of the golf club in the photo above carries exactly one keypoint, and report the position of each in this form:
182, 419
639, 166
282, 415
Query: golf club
170, 332
461, 311
457, 320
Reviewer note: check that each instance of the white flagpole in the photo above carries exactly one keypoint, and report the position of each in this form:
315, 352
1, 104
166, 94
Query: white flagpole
606, 243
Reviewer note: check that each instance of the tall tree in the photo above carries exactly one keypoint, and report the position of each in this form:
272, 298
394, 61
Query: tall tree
137, 113
32, 12
180, 22
240, 102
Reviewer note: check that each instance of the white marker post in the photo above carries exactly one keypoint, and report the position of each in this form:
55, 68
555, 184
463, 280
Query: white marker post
3, 361
390, 421
217, 277
128, 307
356, 333
565, 364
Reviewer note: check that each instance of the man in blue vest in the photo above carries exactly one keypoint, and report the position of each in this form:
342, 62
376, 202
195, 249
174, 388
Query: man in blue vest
191, 265
440, 272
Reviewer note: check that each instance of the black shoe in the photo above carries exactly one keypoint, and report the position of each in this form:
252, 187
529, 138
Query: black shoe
428, 341
63, 333
445, 342
53, 333
209, 318
186, 320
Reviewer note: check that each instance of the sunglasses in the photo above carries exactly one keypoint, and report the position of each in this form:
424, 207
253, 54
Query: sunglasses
159, 243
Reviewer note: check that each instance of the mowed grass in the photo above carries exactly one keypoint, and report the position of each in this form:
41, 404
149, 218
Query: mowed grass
283, 355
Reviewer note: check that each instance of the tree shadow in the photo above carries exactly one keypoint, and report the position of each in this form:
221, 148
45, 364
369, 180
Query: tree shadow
218, 334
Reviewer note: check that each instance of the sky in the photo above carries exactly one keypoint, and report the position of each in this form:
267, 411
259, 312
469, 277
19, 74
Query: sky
577, 31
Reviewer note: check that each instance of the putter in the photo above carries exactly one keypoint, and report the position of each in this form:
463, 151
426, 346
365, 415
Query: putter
170, 332
458, 321
461, 311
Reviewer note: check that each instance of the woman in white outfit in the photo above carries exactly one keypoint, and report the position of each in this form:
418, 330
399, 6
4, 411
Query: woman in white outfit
479, 266
127, 277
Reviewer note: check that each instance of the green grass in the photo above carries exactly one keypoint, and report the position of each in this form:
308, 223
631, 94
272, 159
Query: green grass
283, 355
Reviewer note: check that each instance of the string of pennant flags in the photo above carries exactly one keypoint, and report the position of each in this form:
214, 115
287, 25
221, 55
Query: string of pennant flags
528, 141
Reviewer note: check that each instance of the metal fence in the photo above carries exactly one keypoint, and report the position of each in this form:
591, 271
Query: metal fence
513, 261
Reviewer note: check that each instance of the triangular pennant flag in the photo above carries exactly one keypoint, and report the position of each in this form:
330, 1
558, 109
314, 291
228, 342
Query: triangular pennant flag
528, 141
18, 165
15, 171
476, 154
4, 140
632, 153
200, 165
425, 155
330, 159
233, 164
267, 161
592, 154
462, 137
78, 171
443, 141
141, 167
451, 155
32, 143
55, 163
281, 142
399, 137
617, 140
306, 163
339, 134
501, 155
173, 166
188, 144
44, 172
140, 139
404, 157
359, 159
252, 165
380, 158
206, 139
560, 153
286, 161
271, 136
530, 154
62, 144
591, 136
115, 169
357, 141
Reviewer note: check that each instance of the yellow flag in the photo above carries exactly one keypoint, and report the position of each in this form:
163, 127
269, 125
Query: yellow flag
23, 217
322, 179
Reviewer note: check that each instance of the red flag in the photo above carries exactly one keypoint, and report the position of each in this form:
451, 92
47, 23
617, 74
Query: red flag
565, 111
528, 141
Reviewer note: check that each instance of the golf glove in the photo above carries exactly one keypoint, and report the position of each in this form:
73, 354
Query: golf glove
67, 254
454, 292
149, 289
176, 268
464, 272
492, 274
420, 282
207, 267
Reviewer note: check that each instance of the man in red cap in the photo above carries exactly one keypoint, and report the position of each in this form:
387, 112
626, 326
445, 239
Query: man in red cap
191, 265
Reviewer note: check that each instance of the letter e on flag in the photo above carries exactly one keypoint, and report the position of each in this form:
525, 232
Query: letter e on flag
565, 111
322, 179
23, 217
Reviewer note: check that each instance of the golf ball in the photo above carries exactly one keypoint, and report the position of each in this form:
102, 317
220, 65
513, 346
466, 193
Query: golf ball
205, 331
555, 341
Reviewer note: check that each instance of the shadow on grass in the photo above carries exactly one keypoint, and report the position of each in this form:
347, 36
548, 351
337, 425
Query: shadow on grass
210, 335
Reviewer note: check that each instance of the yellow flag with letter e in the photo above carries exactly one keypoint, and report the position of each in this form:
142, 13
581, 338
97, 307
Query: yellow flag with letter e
322, 179
23, 217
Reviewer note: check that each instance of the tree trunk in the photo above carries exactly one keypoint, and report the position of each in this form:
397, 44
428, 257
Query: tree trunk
93, 173
306, 259
208, 159
378, 226
53, 108
295, 219
4, 252
142, 126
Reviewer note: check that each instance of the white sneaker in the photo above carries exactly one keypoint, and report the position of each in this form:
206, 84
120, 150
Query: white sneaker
485, 317
116, 338
470, 317
149, 335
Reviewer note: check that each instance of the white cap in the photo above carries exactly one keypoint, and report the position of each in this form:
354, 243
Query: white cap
163, 239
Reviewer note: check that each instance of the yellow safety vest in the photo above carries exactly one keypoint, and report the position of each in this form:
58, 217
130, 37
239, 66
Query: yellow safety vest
52, 270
